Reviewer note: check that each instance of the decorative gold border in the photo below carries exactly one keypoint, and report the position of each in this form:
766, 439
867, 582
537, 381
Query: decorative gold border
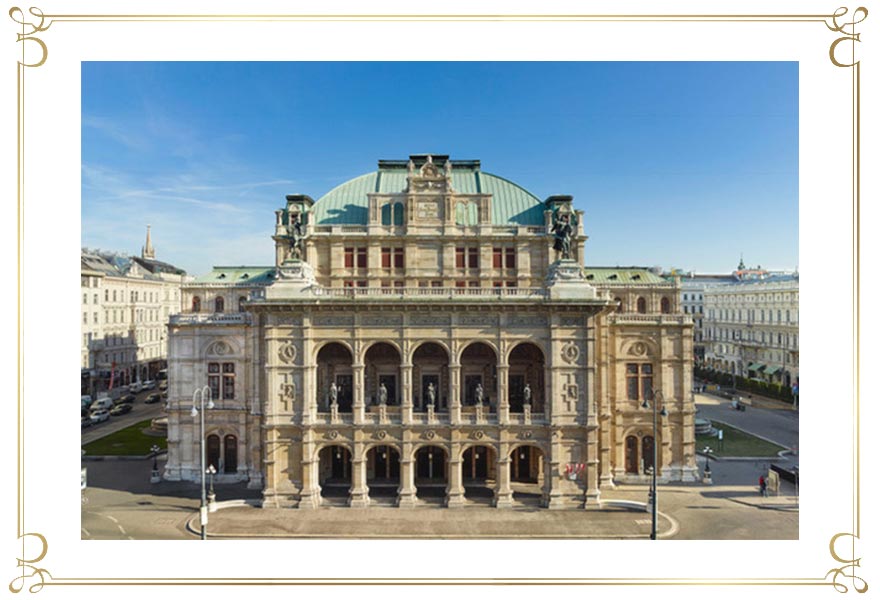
35, 21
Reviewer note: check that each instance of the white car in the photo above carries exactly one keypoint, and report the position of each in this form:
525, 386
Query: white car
135, 387
99, 416
149, 384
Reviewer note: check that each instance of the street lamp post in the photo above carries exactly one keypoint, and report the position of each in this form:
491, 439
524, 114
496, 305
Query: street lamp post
200, 396
707, 473
154, 476
211, 495
655, 394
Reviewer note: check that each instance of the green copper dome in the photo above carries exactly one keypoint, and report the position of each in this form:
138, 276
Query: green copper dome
346, 204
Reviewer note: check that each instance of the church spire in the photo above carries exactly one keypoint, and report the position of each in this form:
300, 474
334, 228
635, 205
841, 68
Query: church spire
147, 251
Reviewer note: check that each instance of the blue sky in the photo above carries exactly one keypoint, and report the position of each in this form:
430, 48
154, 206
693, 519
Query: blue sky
675, 164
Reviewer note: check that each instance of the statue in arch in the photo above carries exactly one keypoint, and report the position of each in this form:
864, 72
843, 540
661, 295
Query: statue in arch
478, 395
383, 395
430, 395
527, 394
562, 231
333, 394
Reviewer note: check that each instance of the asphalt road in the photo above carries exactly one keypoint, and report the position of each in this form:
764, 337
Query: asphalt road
778, 425
140, 412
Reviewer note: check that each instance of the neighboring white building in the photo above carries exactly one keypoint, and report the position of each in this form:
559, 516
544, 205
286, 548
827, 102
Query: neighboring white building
126, 304
751, 328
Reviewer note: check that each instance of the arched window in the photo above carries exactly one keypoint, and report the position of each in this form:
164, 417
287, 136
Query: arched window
460, 213
230, 454
213, 451
386, 214
398, 214
664, 305
241, 301
641, 305
218, 304
196, 304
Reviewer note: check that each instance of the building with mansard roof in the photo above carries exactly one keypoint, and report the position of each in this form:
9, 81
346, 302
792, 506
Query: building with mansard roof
429, 334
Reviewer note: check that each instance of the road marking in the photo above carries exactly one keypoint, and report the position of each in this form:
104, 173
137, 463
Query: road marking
112, 519
122, 530
643, 521
85, 531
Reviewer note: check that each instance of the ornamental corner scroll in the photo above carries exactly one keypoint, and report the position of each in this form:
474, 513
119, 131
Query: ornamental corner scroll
848, 29
848, 570
34, 25
27, 567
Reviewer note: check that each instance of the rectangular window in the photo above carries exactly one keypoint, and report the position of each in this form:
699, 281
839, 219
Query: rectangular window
473, 284
398, 284
348, 283
639, 381
349, 258
510, 258
460, 284
228, 381
647, 382
95, 317
632, 381
436, 284
362, 283
511, 283
85, 318
496, 258
386, 284
459, 258
497, 284
473, 258
386, 258
398, 258
214, 379
85, 298
361, 258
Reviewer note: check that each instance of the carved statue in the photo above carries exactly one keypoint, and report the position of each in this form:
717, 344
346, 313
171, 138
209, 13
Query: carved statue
383, 395
562, 236
478, 394
527, 394
430, 394
334, 393
295, 236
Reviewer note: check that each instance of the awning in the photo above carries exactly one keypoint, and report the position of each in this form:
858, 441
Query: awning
771, 370
756, 366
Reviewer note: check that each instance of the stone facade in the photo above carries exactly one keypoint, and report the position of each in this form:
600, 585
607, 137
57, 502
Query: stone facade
126, 305
442, 343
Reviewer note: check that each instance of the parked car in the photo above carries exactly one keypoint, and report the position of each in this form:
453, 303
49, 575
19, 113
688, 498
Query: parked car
163, 385
85, 422
152, 399
149, 384
164, 394
101, 404
125, 399
135, 387
121, 409
100, 415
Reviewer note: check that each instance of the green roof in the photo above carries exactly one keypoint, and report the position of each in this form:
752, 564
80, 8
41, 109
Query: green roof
633, 275
346, 204
238, 276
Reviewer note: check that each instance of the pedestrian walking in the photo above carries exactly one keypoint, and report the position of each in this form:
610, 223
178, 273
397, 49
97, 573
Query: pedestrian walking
762, 483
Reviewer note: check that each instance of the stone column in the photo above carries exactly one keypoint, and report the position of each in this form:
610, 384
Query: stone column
309, 395
455, 394
310, 497
503, 398
358, 400
503, 492
359, 496
406, 404
591, 498
406, 493
455, 489
552, 478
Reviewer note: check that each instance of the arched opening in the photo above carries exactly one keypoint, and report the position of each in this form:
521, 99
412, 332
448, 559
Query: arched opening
478, 374
665, 306
398, 214
430, 376
218, 304
527, 474
230, 454
241, 301
212, 451
381, 376
334, 471
478, 473
386, 214
431, 476
334, 367
196, 304
383, 472
641, 305
525, 379
619, 303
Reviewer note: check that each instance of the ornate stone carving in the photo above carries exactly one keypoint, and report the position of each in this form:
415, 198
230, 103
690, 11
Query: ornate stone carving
219, 349
478, 434
524, 435
570, 353
382, 321
571, 321
380, 435
332, 435
573, 390
429, 435
333, 321
287, 352
430, 320
638, 349
527, 321
478, 320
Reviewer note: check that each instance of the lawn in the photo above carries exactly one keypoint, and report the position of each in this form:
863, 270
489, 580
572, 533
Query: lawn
736, 443
130, 441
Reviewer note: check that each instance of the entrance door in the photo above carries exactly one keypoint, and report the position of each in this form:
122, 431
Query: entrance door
524, 464
475, 463
343, 392
390, 382
648, 452
230, 454
387, 463
632, 454
339, 464
430, 379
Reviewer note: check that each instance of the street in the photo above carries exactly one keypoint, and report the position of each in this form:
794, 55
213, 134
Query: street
139, 412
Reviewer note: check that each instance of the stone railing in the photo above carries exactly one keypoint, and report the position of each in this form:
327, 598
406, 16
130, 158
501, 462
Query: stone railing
430, 292
637, 318
210, 319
